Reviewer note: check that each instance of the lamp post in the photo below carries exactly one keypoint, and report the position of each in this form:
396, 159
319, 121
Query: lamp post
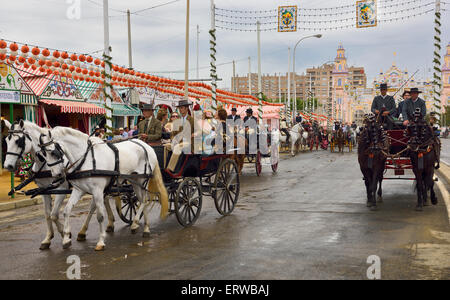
293, 68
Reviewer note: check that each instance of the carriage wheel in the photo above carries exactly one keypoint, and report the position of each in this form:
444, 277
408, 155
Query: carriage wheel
250, 158
258, 165
127, 207
226, 187
188, 202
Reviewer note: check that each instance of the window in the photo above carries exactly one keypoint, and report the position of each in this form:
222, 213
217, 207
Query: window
339, 82
340, 67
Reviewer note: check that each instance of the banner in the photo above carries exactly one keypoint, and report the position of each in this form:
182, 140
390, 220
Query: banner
9, 97
287, 18
366, 13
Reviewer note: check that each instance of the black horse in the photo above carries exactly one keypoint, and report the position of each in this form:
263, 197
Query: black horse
424, 153
372, 142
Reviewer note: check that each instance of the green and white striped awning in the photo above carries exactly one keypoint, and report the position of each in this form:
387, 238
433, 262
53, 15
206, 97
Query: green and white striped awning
28, 99
123, 110
86, 88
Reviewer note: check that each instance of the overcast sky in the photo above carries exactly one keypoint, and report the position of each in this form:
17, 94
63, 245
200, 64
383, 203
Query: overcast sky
158, 35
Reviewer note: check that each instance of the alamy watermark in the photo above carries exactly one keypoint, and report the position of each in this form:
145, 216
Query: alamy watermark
74, 270
73, 12
374, 270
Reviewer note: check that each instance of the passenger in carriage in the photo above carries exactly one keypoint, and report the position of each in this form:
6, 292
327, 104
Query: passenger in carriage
410, 105
406, 95
385, 105
150, 129
284, 129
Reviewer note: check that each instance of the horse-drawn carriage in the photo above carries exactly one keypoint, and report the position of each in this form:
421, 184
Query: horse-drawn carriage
269, 151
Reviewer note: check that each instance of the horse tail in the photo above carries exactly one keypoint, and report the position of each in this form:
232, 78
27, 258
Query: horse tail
157, 185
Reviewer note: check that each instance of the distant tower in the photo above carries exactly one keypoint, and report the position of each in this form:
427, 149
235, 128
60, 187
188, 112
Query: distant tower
340, 79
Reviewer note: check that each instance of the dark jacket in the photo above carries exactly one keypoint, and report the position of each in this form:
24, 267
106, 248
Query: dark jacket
388, 103
400, 109
298, 119
237, 117
153, 130
409, 107
253, 117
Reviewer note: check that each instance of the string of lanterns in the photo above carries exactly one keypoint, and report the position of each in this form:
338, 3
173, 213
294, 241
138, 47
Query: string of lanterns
90, 69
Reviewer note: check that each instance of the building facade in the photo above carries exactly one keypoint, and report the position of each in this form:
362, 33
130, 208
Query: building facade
445, 100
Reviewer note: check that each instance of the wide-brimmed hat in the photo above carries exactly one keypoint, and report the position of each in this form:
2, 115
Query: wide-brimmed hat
184, 103
234, 109
249, 111
147, 107
414, 90
383, 86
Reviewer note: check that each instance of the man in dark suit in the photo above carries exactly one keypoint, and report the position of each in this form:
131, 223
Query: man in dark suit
410, 105
249, 115
234, 116
150, 129
385, 105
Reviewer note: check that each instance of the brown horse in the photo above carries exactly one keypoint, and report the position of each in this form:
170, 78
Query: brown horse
339, 139
371, 159
424, 153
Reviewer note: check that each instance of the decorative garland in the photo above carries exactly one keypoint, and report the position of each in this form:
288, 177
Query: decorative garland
107, 85
437, 83
212, 47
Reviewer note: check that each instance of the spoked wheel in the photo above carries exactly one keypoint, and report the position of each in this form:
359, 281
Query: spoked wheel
226, 187
258, 165
251, 158
188, 201
128, 207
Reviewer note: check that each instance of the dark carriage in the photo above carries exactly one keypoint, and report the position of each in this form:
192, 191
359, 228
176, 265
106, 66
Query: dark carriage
195, 176
256, 158
398, 159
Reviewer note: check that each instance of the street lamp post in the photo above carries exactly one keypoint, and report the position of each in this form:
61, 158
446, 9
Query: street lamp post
293, 69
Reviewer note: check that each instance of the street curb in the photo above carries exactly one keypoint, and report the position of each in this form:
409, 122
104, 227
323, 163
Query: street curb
444, 173
29, 202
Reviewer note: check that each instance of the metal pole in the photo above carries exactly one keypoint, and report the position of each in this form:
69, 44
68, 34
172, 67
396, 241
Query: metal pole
11, 120
130, 61
186, 54
1, 141
249, 77
234, 77
260, 109
289, 87
107, 67
437, 79
295, 83
279, 88
198, 38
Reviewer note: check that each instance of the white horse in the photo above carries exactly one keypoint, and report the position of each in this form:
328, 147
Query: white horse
23, 138
296, 135
135, 157
304, 142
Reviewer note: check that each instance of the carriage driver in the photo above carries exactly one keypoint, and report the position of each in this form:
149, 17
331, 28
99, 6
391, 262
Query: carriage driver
385, 105
150, 129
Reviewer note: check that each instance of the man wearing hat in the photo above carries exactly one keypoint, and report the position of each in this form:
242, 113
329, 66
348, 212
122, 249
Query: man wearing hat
410, 105
384, 104
150, 129
249, 115
183, 107
234, 116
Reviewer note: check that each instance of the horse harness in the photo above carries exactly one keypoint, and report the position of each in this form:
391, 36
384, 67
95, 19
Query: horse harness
58, 152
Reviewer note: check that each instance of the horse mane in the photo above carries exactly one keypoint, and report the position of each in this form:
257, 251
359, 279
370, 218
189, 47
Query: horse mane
62, 131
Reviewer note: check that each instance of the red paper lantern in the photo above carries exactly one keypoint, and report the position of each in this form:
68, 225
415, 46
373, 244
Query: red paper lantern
73, 57
3, 44
45, 52
82, 58
21, 59
89, 59
85, 71
13, 47
56, 54
42, 69
31, 61
25, 49
64, 55
64, 66
71, 68
56, 64
48, 63
33, 67
97, 61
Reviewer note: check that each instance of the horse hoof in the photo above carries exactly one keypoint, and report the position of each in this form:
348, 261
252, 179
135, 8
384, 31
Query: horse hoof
100, 248
44, 246
81, 237
434, 201
110, 229
419, 208
67, 245
380, 199
146, 234
134, 231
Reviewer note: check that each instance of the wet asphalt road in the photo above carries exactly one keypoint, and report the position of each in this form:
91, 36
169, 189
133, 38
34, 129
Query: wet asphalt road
308, 221
445, 151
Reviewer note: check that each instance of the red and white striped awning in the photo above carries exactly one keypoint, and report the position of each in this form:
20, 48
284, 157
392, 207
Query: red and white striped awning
76, 107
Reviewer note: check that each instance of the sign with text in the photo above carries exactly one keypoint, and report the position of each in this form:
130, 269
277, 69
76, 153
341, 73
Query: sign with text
9, 97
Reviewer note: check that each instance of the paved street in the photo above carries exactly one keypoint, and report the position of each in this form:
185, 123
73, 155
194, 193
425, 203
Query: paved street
309, 221
445, 152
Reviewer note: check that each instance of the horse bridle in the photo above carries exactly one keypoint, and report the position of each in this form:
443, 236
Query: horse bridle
58, 152
20, 142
